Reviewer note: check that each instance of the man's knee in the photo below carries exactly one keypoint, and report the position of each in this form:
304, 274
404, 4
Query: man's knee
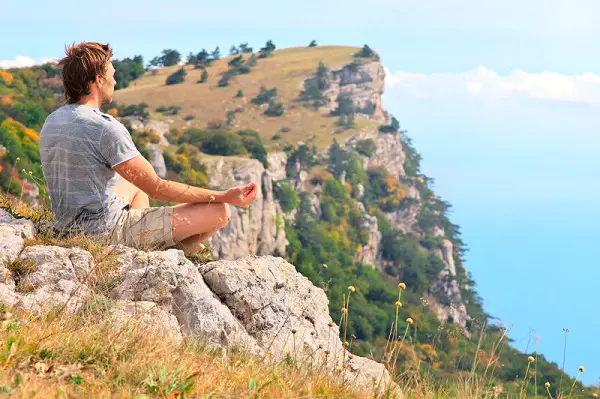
224, 214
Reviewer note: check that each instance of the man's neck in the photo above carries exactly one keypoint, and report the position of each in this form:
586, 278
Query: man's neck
90, 101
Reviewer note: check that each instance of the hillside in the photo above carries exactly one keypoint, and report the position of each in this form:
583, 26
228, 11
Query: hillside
206, 102
341, 198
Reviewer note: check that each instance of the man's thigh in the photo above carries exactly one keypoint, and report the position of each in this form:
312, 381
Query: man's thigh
125, 190
148, 228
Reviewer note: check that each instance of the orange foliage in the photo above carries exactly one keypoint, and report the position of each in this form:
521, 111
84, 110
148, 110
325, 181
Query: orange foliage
321, 176
113, 112
6, 100
19, 130
6, 77
395, 192
348, 187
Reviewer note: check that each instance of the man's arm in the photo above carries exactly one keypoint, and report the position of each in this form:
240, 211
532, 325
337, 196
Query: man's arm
139, 172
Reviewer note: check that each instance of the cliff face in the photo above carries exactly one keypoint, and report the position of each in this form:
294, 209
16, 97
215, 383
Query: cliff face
364, 83
259, 229
259, 303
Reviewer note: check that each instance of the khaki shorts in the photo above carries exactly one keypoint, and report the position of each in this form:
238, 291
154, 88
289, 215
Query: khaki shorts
147, 229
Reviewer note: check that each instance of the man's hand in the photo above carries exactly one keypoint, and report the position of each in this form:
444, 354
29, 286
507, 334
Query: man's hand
241, 196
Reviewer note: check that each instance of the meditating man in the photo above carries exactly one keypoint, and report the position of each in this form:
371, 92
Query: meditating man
100, 184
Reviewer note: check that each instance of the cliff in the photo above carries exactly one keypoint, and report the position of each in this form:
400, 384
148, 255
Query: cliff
260, 229
261, 304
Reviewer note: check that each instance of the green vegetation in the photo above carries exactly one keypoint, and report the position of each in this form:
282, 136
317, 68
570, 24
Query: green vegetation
127, 70
115, 109
393, 127
367, 52
223, 142
313, 43
185, 165
170, 110
315, 86
169, 57
267, 50
265, 96
366, 147
275, 109
176, 77
287, 197
203, 76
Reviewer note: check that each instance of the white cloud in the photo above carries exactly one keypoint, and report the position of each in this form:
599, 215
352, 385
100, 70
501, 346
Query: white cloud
22, 61
483, 84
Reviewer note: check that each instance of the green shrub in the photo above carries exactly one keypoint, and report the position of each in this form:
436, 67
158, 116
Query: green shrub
287, 197
313, 44
176, 77
267, 50
366, 147
275, 109
203, 76
240, 93
366, 52
169, 57
127, 70
393, 127
224, 81
265, 96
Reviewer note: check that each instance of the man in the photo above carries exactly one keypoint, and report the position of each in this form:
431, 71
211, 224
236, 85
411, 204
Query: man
100, 184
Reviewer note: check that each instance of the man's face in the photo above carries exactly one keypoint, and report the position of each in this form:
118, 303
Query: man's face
107, 84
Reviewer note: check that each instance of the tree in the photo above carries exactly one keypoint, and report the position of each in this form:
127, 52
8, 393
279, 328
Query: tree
245, 49
393, 127
275, 109
224, 81
176, 77
202, 58
127, 70
366, 52
240, 93
216, 54
203, 76
345, 105
169, 57
233, 50
251, 61
265, 96
313, 44
236, 61
267, 50
191, 59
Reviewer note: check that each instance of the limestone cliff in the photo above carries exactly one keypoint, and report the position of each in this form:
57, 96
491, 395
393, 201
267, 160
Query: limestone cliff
259, 229
260, 303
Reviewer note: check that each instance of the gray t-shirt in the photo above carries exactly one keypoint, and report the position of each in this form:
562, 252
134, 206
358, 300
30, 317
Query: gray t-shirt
79, 146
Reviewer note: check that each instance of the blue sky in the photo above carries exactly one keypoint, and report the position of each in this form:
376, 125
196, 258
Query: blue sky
501, 98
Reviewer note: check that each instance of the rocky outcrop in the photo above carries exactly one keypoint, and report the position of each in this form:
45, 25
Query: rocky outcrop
363, 82
261, 304
158, 127
157, 159
388, 152
258, 229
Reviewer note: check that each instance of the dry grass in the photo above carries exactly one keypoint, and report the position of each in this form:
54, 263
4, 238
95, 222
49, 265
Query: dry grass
285, 70
87, 356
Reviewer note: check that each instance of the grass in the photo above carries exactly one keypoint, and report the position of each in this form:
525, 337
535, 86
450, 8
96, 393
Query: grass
207, 102
87, 355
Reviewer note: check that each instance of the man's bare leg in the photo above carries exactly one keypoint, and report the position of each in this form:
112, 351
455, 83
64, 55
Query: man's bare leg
131, 195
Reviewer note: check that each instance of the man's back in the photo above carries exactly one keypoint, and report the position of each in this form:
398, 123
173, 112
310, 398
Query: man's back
79, 145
